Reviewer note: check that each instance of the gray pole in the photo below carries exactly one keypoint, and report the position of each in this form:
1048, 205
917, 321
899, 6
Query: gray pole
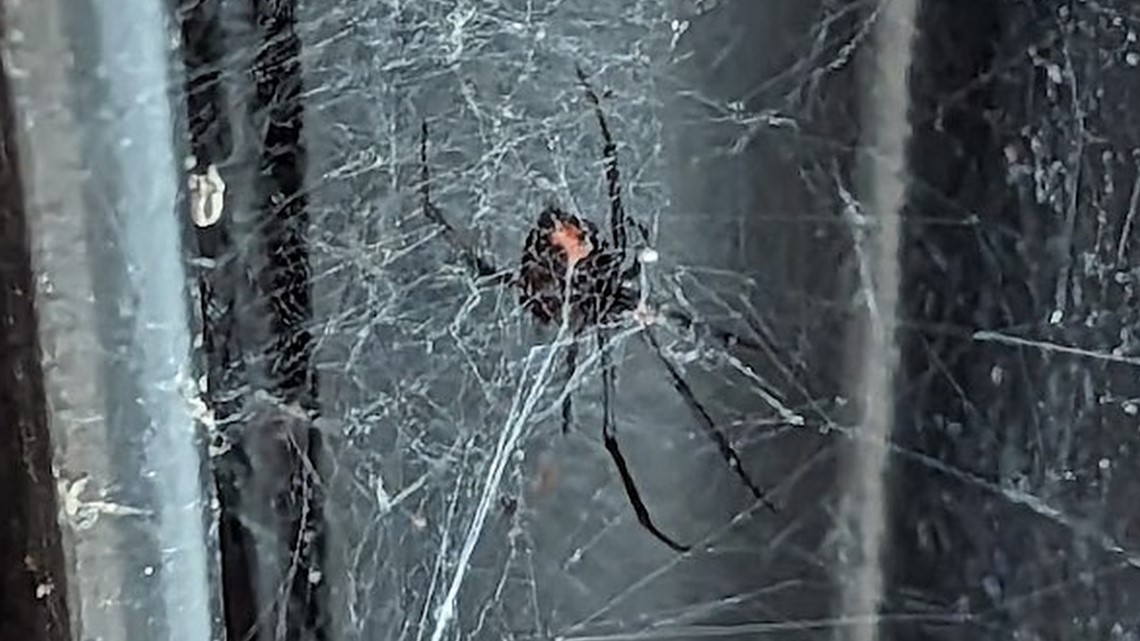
102, 173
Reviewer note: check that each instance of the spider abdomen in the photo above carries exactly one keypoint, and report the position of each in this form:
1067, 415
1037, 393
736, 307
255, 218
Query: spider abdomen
564, 245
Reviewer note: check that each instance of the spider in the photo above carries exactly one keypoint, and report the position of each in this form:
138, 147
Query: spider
568, 270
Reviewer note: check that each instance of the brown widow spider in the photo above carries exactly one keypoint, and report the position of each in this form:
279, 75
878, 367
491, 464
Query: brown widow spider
565, 257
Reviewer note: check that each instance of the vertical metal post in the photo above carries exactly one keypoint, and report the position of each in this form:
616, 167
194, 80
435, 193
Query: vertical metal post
99, 136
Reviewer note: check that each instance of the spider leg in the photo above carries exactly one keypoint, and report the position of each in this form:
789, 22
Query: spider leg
765, 347
482, 268
618, 218
609, 437
726, 451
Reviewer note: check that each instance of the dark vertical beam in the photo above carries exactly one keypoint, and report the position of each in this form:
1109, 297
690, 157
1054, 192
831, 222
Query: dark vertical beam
286, 284
32, 577
204, 49
244, 74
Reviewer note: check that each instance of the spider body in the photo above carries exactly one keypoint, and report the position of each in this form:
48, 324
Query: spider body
568, 270
565, 256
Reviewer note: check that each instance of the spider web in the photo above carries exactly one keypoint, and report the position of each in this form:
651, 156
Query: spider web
457, 509
471, 506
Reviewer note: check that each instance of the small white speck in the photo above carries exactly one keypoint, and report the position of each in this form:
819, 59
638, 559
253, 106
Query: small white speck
992, 587
148, 570
1054, 72
1104, 464
207, 197
575, 557
1132, 58
383, 499
1056, 317
649, 255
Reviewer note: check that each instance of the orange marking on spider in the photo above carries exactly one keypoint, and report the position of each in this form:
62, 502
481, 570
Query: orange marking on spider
572, 241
